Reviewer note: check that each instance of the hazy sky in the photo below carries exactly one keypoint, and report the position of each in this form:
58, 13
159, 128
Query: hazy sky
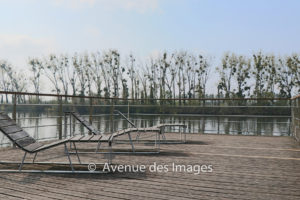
145, 27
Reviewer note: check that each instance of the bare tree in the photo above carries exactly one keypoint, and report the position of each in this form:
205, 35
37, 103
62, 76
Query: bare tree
242, 77
288, 75
143, 77
78, 63
131, 73
72, 75
36, 69
264, 74
63, 66
190, 73
89, 76
202, 74
97, 73
51, 72
4, 78
163, 67
227, 71
180, 62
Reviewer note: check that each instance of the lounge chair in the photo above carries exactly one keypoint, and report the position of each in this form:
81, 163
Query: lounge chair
161, 127
25, 142
104, 137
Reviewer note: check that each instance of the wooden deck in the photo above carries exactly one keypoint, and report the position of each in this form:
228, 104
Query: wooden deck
244, 167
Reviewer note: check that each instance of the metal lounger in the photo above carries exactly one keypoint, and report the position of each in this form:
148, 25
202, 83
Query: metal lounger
139, 130
106, 138
161, 127
24, 141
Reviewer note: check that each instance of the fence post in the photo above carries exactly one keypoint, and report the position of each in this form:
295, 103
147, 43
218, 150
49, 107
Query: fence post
60, 117
66, 120
14, 114
91, 113
111, 115
128, 110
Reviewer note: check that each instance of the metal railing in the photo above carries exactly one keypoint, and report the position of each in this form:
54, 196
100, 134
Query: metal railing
53, 106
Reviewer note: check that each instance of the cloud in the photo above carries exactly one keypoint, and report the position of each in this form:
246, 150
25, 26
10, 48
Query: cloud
140, 6
16, 48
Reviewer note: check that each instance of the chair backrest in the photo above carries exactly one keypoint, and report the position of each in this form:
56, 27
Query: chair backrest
85, 123
128, 120
14, 132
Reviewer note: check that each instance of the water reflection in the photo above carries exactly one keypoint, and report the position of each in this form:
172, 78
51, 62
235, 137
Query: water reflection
45, 126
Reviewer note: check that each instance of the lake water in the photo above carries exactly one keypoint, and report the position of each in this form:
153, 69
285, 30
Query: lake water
45, 126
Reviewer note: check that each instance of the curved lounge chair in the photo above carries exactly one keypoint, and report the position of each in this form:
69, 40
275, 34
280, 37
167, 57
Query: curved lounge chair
102, 137
160, 127
24, 141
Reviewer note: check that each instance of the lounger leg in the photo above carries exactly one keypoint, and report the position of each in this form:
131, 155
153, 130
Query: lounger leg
163, 133
76, 153
132, 146
70, 125
34, 157
98, 146
180, 134
21, 165
155, 141
163, 136
138, 136
158, 142
184, 130
110, 152
67, 152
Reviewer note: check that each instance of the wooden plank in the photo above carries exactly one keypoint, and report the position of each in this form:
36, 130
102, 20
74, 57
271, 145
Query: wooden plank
9, 122
117, 133
18, 135
86, 138
76, 138
25, 141
148, 129
11, 129
33, 146
105, 138
51, 145
96, 138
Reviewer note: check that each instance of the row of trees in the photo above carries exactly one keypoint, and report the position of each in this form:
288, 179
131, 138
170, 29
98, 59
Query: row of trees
259, 76
176, 75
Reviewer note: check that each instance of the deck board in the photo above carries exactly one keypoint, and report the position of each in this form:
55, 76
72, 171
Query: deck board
244, 167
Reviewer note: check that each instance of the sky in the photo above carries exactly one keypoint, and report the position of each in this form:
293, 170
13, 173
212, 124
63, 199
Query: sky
36, 28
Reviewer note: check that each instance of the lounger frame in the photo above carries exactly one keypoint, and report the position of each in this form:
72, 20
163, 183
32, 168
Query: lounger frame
29, 145
114, 135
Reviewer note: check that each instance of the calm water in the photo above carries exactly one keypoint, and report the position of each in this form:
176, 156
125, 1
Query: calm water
45, 126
